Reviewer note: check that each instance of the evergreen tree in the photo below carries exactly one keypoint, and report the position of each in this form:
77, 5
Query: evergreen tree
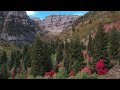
41, 61
47, 57
100, 44
12, 59
59, 52
3, 65
76, 55
26, 60
90, 44
37, 57
113, 44
17, 61
67, 56
25, 56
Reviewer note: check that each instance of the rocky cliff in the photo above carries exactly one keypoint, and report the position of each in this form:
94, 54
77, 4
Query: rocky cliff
56, 23
16, 26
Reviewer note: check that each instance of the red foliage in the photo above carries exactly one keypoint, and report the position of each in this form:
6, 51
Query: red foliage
87, 69
51, 73
100, 67
84, 53
72, 73
12, 73
89, 58
59, 65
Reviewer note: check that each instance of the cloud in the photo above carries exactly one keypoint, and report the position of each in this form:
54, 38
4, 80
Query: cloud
78, 14
30, 13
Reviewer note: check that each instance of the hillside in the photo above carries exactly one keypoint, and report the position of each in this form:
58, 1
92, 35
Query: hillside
16, 26
88, 23
55, 24
60, 46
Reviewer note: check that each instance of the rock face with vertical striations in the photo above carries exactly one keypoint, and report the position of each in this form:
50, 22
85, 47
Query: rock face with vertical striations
56, 23
16, 26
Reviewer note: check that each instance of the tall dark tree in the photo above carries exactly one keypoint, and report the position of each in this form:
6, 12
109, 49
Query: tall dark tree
76, 55
40, 58
3, 65
100, 44
113, 44
90, 44
17, 61
37, 57
12, 59
26, 60
67, 55
59, 52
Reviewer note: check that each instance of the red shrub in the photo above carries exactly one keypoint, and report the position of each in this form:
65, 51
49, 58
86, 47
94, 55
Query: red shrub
87, 69
89, 58
100, 67
72, 73
51, 73
59, 65
12, 73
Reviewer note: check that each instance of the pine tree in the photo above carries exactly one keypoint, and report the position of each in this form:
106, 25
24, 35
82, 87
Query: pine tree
17, 61
59, 52
113, 44
25, 56
3, 65
47, 57
76, 55
100, 44
90, 44
12, 59
37, 57
41, 61
26, 60
67, 56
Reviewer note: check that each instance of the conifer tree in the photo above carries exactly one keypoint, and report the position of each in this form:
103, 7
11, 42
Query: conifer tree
67, 56
12, 59
100, 44
41, 61
3, 65
90, 44
76, 55
113, 44
59, 52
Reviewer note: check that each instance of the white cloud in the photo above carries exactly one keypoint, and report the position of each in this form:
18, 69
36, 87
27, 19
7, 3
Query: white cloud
30, 12
78, 14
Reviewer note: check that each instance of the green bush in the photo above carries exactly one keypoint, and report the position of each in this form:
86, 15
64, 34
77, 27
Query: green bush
101, 77
31, 77
72, 77
39, 77
48, 77
62, 74
20, 76
85, 75
82, 75
93, 76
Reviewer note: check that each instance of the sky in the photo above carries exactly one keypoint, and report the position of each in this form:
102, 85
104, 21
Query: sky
43, 14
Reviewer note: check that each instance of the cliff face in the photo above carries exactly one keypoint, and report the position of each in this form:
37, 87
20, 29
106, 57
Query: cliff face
16, 26
57, 23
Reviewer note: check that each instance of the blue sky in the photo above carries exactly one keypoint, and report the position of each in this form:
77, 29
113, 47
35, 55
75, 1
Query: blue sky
43, 14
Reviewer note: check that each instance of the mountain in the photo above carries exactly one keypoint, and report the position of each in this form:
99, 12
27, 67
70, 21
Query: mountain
88, 23
56, 23
16, 26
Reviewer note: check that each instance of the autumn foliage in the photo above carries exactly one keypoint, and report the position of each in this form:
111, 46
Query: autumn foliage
71, 73
50, 73
100, 67
87, 69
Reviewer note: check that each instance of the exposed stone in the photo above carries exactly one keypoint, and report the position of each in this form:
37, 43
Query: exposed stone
17, 26
56, 23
